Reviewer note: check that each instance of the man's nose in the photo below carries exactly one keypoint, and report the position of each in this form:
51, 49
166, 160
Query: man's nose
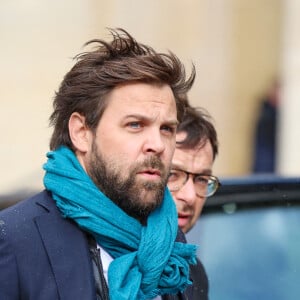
187, 192
154, 142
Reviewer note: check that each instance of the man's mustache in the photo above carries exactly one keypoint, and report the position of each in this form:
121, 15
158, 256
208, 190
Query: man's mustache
153, 162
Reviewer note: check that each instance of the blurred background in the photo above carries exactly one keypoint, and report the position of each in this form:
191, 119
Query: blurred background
245, 53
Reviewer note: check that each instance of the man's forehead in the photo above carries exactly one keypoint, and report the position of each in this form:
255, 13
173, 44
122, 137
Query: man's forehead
197, 157
138, 97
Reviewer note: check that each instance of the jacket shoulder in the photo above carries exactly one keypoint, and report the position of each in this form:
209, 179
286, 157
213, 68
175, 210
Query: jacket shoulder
36, 204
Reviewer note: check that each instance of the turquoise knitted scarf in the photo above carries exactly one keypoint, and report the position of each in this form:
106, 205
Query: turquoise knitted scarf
147, 260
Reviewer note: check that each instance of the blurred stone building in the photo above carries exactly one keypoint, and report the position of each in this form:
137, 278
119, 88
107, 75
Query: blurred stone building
237, 47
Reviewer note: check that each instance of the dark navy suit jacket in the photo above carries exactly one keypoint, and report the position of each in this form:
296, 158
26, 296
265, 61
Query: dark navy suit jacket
38, 249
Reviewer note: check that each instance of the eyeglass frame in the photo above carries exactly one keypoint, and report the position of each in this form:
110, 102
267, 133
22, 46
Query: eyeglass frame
194, 175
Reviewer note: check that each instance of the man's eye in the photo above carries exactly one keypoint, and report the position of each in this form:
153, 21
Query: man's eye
202, 180
168, 129
173, 176
134, 125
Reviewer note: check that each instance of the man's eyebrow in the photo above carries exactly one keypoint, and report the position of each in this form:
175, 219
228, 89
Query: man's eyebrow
206, 172
138, 116
177, 166
181, 167
171, 122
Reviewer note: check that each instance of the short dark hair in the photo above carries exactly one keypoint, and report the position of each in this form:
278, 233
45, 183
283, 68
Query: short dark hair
85, 87
197, 123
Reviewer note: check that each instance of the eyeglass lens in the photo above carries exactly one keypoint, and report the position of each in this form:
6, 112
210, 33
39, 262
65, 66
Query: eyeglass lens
205, 185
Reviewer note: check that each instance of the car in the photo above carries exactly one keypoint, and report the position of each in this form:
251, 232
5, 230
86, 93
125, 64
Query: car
249, 239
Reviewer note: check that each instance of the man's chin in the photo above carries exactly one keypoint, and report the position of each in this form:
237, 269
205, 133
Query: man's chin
151, 199
141, 211
183, 223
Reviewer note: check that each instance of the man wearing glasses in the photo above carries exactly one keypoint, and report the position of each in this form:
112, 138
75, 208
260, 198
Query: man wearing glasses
191, 180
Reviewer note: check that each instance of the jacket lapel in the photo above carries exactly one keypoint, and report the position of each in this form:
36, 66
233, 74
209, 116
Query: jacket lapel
68, 253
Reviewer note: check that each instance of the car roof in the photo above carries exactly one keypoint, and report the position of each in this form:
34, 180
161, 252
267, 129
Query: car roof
256, 189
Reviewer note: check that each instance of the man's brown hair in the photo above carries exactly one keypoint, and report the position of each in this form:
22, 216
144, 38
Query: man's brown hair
198, 126
123, 60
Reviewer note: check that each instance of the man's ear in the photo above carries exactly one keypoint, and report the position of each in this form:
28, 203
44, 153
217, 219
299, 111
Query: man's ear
80, 134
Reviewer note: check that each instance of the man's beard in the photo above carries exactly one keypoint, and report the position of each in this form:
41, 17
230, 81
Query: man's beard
126, 192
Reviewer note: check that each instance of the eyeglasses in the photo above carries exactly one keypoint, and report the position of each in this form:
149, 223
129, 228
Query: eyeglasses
205, 185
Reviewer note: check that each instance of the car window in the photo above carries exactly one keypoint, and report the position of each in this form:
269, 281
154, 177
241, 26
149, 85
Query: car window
250, 253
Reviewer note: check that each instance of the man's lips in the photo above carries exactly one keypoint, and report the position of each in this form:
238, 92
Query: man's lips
151, 173
184, 215
183, 219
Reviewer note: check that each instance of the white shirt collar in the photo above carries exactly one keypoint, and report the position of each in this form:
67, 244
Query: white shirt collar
106, 259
